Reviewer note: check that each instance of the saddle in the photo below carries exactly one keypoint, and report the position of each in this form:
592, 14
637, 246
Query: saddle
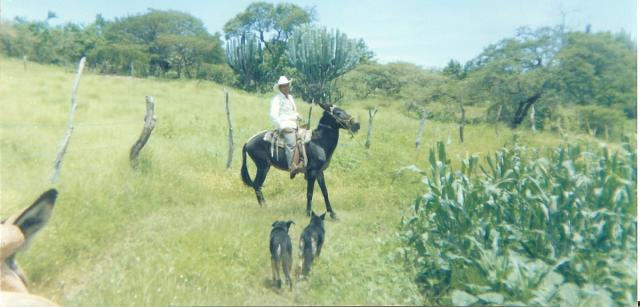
303, 136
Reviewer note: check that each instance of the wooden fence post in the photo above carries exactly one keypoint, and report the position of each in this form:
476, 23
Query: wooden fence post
423, 119
62, 148
149, 124
462, 123
533, 119
372, 113
309, 116
24, 62
226, 109
498, 118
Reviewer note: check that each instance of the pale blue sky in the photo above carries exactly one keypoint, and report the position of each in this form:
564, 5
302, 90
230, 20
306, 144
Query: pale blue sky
425, 32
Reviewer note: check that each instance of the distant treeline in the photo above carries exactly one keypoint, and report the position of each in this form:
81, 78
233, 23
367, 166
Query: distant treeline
543, 69
575, 80
158, 43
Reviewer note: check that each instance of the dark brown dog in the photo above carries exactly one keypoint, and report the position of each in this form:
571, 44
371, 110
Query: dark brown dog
280, 248
311, 242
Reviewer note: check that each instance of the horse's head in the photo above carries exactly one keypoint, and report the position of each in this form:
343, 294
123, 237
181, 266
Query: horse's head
16, 234
341, 118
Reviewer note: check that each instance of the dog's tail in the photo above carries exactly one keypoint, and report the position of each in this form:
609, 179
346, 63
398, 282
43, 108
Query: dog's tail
244, 171
306, 252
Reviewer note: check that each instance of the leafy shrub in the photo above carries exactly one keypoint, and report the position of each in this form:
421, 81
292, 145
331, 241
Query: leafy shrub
601, 121
219, 73
526, 228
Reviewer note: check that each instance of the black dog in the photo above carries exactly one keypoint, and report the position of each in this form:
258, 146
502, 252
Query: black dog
311, 242
280, 248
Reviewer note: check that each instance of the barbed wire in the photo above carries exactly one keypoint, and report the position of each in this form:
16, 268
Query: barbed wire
62, 125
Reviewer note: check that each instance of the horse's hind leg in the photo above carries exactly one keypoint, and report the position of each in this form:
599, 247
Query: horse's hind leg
261, 175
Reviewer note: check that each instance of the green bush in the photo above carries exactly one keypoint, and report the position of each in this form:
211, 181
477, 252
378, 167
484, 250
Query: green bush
600, 121
218, 73
526, 228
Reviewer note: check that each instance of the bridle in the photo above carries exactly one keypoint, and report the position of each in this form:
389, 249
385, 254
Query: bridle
340, 122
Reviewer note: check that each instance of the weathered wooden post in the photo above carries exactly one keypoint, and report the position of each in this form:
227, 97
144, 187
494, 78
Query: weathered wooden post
462, 123
226, 109
149, 124
498, 118
423, 119
309, 116
533, 119
559, 126
62, 148
372, 113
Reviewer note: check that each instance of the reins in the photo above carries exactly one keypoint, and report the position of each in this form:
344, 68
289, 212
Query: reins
341, 125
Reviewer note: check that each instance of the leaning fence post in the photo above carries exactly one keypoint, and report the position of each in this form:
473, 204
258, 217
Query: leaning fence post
62, 149
372, 113
462, 123
226, 109
149, 124
533, 119
309, 116
423, 119
498, 118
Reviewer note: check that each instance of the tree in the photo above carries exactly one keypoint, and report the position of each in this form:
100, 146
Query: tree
320, 57
272, 25
517, 72
172, 40
454, 70
599, 68
371, 79
245, 56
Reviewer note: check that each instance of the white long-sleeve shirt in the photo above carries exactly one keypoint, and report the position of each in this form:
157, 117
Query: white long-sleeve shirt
283, 112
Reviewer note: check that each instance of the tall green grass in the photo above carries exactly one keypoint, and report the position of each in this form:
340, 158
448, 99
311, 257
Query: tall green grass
183, 230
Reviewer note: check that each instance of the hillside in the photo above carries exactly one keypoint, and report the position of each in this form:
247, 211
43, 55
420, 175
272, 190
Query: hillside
182, 230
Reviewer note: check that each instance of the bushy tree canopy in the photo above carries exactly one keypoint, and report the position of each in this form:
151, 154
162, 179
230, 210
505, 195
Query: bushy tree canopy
320, 56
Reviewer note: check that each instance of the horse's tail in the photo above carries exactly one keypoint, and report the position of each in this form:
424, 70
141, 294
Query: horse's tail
243, 171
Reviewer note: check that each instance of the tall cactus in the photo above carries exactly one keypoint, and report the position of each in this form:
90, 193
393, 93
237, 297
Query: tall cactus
245, 56
320, 57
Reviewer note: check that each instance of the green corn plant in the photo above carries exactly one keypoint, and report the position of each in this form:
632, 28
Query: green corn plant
526, 227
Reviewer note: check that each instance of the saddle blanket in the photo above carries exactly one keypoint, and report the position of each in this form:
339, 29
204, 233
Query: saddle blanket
303, 136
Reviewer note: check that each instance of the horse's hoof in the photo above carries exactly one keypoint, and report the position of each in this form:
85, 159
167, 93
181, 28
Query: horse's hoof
333, 216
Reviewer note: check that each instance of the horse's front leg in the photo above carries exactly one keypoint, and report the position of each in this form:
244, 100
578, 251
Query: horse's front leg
311, 180
325, 194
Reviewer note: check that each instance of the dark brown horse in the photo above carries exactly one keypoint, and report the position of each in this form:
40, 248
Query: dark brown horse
323, 143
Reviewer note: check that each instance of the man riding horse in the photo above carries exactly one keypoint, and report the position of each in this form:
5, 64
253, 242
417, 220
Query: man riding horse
317, 146
284, 115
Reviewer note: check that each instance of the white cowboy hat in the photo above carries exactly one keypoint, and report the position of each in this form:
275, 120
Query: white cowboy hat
283, 80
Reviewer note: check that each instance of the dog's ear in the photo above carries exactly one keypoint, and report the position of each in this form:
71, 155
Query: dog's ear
322, 216
289, 223
313, 213
274, 224
35, 217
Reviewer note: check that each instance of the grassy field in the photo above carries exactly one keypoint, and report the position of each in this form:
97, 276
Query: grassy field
181, 229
